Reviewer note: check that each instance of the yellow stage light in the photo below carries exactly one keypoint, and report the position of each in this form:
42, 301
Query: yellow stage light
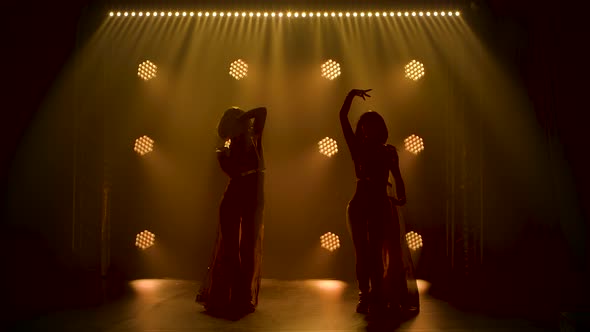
414, 144
330, 69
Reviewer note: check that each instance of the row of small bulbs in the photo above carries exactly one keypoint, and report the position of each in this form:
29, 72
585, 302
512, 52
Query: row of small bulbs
288, 14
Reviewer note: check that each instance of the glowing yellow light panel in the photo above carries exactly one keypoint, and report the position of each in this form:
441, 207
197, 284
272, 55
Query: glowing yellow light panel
286, 14
238, 69
145, 240
147, 70
330, 69
330, 241
414, 240
328, 147
144, 145
414, 144
414, 70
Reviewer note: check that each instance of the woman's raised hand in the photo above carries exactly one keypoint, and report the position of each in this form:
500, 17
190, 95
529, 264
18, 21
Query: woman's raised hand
360, 93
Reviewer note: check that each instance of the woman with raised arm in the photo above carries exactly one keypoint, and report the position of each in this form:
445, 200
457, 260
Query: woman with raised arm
372, 212
233, 279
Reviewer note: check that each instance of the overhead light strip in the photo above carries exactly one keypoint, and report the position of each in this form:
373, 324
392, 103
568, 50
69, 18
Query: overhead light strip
283, 14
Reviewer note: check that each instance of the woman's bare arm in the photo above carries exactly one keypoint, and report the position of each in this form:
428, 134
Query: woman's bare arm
259, 116
345, 123
400, 188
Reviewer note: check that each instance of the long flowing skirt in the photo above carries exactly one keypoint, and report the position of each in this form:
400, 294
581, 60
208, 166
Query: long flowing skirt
233, 274
400, 286
215, 291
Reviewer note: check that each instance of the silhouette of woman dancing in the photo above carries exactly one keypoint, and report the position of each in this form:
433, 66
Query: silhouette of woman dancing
372, 215
233, 277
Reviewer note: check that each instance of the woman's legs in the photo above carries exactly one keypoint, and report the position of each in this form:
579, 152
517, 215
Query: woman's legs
250, 233
395, 270
250, 208
376, 236
229, 219
357, 224
378, 214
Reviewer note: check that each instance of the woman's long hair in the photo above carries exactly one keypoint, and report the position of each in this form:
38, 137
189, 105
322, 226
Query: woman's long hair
372, 125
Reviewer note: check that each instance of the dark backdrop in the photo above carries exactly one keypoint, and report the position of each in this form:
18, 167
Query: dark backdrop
537, 42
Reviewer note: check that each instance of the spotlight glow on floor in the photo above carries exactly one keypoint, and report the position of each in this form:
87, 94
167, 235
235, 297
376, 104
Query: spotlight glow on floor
238, 69
328, 287
330, 241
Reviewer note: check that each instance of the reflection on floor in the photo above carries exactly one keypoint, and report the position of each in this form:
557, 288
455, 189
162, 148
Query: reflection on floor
306, 305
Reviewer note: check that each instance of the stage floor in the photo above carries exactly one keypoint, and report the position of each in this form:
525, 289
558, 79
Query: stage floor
306, 305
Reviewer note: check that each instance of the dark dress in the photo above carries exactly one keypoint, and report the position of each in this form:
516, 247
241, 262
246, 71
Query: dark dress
384, 267
400, 277
233, 275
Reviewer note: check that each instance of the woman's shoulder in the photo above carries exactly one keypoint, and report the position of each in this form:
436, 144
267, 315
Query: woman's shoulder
391, 150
